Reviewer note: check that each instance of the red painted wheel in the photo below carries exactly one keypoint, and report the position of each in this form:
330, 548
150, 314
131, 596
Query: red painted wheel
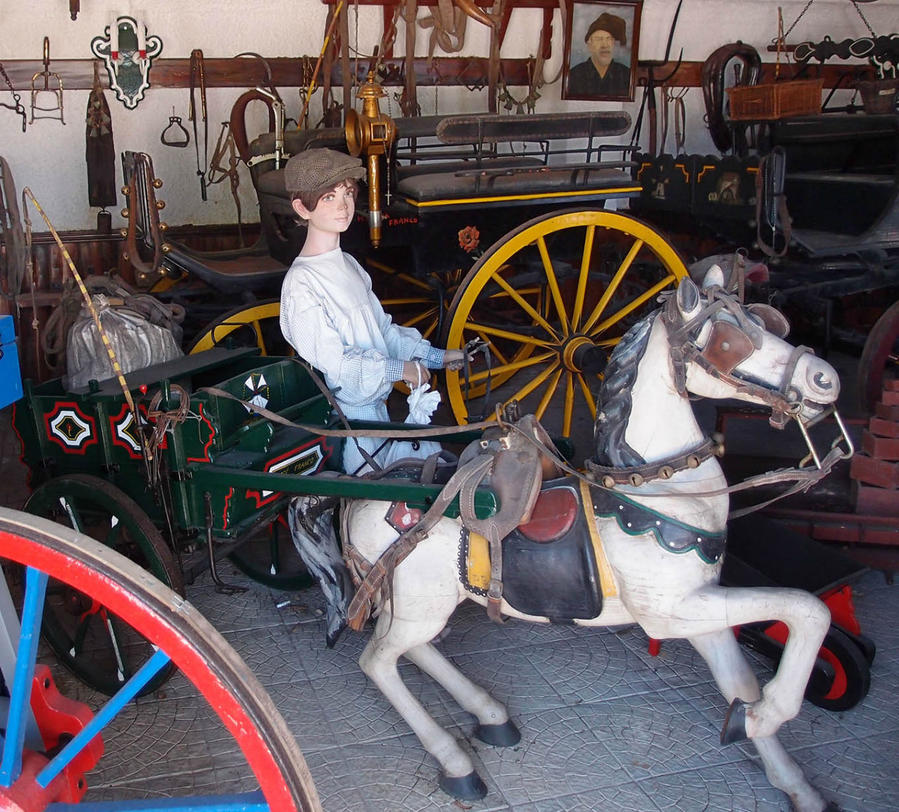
272, 761
879, 359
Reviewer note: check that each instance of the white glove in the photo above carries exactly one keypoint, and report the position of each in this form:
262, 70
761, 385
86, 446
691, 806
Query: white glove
422, 403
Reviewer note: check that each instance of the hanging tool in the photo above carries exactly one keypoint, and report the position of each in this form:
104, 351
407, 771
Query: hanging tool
651, 82
179, 137
46, 76
198, 80
99, 153
17, 106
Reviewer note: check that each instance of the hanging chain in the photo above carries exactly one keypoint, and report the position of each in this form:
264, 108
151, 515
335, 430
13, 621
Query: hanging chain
798, 18
864, 19
18, 107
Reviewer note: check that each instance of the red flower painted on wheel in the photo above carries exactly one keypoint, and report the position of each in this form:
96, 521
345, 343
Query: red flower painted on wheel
469, 239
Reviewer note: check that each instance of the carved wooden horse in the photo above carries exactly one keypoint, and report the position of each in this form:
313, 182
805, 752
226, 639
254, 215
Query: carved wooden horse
650, 528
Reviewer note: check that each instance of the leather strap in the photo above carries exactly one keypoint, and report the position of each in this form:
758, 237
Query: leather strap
382, 570
198, 80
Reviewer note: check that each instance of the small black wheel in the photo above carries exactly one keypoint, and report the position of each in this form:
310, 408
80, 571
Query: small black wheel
270, 558
86, 637
853, 673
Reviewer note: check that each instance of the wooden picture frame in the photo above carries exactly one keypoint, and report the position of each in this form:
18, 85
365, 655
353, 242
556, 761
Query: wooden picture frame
601, 42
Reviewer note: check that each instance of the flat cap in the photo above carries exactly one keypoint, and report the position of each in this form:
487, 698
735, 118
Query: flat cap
315, 169
612, 23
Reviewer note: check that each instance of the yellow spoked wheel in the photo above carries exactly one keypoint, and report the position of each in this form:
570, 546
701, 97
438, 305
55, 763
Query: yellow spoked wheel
256, 325
552, 298
414, 301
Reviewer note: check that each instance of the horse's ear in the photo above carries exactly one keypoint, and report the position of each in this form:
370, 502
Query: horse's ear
774, 321
714, 277
688, 299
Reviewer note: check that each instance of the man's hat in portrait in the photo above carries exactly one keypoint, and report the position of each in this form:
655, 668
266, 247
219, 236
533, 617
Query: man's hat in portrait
612, 23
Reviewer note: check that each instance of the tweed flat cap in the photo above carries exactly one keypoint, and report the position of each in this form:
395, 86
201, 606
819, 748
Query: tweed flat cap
315, 169
612, 23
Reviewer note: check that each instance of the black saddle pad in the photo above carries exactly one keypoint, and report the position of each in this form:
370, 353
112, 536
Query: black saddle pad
557, 579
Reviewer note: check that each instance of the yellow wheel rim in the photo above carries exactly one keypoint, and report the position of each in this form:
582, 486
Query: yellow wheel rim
556, 286
253, 318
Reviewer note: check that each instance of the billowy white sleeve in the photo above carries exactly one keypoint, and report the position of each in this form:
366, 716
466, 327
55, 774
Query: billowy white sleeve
405, 343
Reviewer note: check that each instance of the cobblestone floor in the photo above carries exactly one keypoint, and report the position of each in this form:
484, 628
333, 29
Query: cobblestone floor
604, 725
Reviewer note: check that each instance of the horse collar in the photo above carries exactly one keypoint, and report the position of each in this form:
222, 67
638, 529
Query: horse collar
637, 475
674, 536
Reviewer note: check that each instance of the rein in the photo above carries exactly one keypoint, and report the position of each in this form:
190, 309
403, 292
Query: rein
198, 79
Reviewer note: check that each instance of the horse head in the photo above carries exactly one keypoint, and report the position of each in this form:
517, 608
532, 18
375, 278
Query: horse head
704, 341
721, 347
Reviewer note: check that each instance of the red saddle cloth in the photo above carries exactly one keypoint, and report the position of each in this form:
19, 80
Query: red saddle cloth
553, 515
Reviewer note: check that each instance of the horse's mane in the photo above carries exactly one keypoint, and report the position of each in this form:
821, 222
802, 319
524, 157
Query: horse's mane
610, 448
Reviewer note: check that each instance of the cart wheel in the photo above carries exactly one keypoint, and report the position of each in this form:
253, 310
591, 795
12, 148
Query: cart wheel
271, 559
254, 326
853, 673
272, 761
413, 301
83, 634
553, 297
878, 362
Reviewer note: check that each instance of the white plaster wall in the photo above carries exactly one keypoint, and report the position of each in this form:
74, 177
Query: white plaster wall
49, 156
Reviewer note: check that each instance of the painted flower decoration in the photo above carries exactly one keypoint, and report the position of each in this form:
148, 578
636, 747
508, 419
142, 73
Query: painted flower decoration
469, 239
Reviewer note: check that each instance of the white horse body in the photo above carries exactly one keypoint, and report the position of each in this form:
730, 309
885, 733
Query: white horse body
670, 595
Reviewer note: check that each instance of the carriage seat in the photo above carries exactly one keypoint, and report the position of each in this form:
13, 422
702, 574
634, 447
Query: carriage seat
584, 181
245, 439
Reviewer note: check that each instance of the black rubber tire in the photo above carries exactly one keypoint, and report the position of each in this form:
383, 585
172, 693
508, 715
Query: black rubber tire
853, 673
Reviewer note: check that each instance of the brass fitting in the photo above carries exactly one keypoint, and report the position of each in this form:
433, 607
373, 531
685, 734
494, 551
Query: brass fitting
371, 132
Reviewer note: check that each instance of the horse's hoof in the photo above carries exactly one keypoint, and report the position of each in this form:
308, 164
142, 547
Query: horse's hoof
467, 788
734, 729
504, 735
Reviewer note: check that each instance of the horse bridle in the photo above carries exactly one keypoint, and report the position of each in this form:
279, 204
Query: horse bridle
727, 346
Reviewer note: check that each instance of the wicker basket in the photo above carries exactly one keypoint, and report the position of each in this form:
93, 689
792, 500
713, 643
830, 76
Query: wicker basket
775, 100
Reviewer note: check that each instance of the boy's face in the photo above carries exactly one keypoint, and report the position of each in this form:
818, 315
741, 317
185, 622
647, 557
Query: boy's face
334, 211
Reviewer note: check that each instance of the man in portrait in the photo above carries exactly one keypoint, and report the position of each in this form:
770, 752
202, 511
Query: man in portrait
601, 75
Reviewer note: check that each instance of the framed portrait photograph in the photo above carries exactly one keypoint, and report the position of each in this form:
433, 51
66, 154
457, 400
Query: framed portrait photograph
600, 60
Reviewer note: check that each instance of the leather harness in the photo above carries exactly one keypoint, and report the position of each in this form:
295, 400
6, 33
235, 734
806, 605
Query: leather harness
713, 83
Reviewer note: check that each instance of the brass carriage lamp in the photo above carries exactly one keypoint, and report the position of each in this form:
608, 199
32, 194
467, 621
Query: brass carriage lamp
371, 132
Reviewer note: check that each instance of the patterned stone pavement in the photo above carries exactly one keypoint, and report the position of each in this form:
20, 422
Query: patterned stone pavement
605, 726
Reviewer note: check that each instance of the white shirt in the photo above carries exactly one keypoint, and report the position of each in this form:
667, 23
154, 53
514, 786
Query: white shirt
331, 317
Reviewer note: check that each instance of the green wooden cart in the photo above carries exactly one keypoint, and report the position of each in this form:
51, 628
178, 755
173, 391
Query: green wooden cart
188, 477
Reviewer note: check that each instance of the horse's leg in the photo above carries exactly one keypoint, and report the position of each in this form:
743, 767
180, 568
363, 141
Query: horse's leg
394, 637
734, 679
807, 619
494, 726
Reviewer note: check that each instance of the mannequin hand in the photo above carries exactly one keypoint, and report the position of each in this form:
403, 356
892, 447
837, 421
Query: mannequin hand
415, 374
453, 359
